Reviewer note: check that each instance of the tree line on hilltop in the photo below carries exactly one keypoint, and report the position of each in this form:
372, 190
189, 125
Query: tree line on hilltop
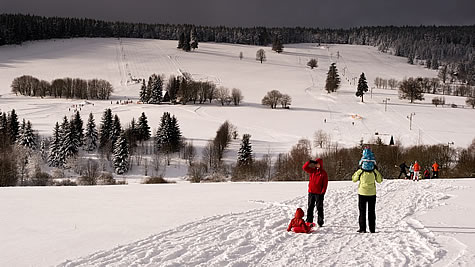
433, 46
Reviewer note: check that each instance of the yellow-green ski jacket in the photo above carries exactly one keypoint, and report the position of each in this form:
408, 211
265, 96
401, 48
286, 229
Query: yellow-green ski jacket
367, 186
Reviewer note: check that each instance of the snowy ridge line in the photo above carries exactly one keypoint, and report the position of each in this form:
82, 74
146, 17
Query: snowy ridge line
258, 237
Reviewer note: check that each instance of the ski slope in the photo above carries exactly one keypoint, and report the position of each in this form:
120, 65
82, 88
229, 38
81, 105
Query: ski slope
347, 119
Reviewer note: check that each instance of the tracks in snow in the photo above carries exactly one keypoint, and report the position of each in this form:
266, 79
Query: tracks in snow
259, 237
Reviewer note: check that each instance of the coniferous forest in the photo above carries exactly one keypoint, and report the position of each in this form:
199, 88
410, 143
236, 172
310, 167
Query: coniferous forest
452, 46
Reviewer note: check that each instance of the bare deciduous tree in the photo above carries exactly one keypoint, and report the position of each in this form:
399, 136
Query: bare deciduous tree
236, 95
261, 55
272, 98
222, 95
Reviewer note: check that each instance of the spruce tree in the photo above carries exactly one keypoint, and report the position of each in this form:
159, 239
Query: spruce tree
175, 134
27, 137
143, 130
78, 128
194, 39
277, 45
121, 155
245, 151
156, 88
116, 130
70, 144
186, 44
162, 137
362, 87
91, 136
333, 79
105, 131
181, 41
13, 126
144, 96
54, 158
168, 136
132, 134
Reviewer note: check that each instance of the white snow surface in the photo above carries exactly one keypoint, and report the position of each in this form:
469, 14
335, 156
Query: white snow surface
235, 224
118, 60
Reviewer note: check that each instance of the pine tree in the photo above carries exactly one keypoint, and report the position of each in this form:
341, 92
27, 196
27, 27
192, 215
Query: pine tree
181, 41
54, 158
132, 134
175, 134
143, 130
144, 96
277, 45
105, 131
90, 138
168, 136
162, 137
156, 87
194, 39
121, 155
362, 87
27, 137
333, 79
186, 44
13, 126
70, 144
78, 128
116, 130
245, 151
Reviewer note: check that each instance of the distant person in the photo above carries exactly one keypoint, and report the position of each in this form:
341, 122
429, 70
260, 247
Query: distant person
435, 170
426, 174
298, 225
367, 195
317, 187
403, 167
417, 169
411, 171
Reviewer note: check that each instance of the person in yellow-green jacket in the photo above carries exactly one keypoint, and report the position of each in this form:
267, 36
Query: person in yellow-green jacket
368, 175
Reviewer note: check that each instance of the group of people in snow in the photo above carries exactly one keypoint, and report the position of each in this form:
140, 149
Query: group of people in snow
415, 169
367, 175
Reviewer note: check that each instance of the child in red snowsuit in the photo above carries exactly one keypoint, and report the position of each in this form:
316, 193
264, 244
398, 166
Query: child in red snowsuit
298, 225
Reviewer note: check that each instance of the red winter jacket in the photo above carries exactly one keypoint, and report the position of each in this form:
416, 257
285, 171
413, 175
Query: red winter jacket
297, 224
417, 167
318, 181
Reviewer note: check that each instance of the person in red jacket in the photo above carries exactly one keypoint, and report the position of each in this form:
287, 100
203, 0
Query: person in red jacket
317, 186
417, 169
297, 224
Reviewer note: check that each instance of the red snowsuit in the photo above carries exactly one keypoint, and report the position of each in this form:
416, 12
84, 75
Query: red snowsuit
297, 224
318, 181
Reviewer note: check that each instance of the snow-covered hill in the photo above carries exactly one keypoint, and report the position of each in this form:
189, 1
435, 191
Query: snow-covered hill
275, 130
235, 224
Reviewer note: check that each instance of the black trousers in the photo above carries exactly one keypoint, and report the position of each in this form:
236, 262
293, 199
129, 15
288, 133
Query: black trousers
371, 202
435, 174
315, 200
404, 173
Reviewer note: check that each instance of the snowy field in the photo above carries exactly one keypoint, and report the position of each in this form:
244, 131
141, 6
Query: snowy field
236, 224
424, 223
271, 130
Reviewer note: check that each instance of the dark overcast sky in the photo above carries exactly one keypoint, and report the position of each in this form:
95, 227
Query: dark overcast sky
311, 13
